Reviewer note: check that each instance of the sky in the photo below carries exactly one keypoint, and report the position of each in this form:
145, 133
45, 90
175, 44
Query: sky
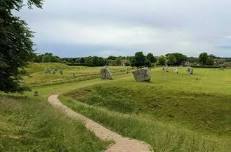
76, 28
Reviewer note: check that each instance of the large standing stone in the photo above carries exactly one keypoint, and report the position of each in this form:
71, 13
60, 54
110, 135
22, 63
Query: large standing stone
141, 75
105, 74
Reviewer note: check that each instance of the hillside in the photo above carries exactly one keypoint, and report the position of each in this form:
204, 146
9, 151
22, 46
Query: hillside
194, 109
171, 113
30, 124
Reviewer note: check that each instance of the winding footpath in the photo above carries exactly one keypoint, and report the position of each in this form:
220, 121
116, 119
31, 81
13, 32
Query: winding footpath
121, 144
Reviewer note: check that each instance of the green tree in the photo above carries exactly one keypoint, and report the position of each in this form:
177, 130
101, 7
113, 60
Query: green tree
89, 61
171, 59
203, 58
101, 62
180, 58
147, 63
81, 60
111, 58
118, 61
94, 61
139, 59
151, 58
210, 60
15, 43
162, 60
49, 57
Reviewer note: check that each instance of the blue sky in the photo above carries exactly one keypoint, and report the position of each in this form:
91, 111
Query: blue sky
71, 28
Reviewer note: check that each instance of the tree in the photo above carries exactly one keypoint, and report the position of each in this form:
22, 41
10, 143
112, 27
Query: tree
203, 57
81, 60
171, 59
139, 59
210, 60
111, 58
94, 61
47, 57
180, 58
162, 60
15, 43
118, 61
147, 63
151, 58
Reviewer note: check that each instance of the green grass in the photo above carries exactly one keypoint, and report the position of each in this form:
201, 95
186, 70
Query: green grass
30, 124
172, 113
38, 76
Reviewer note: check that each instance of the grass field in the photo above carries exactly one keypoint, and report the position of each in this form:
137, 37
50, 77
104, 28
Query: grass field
30, 124
172, 113
56, 73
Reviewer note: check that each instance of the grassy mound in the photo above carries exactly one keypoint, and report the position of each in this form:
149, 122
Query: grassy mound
205, 112
173, 113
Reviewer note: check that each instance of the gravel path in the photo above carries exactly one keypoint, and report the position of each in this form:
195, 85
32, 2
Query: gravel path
122, 144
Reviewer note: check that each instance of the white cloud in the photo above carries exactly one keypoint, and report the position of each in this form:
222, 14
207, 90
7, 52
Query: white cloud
188, 26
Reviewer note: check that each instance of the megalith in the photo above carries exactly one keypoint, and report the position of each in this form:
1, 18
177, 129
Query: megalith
105, 74
142, 75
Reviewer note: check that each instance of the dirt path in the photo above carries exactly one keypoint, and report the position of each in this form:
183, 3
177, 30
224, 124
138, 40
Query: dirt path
122, 144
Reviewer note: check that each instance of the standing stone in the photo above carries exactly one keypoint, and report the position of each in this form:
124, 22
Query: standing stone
190, 71
176, 70
142, 75
105, 74
165, 68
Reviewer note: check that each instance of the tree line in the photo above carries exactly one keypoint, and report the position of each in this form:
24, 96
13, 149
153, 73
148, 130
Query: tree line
138, 60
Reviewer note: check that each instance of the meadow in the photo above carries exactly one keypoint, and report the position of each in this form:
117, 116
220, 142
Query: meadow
30, 124
171, 113
56, 73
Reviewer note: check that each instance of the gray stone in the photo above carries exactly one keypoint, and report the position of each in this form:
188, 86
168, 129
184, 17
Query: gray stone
190, 71
176, 70
165, 68
142, 75
105, 74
